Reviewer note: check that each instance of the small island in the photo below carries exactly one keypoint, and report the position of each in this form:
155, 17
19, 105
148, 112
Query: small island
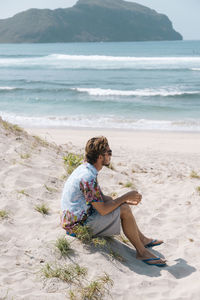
88, 21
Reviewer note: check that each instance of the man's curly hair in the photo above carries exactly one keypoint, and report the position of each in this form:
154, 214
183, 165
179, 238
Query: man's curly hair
95, 146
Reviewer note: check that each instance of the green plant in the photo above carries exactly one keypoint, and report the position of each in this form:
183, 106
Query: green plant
97, 289
25, 155
64, 246
3, 214
43, 209
198, 189
123, 239
193, 174
113, 194
116, 255
63, 177
128, 184
83, 233
67, 273
72, 161
99, 242
23, 193
40, 141
50, 189
11, 127
111, 166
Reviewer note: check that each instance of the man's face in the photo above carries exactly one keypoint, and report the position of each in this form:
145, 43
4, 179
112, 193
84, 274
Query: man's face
107, 157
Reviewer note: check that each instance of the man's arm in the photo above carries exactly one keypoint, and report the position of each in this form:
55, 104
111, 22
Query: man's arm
106, 198
106, 207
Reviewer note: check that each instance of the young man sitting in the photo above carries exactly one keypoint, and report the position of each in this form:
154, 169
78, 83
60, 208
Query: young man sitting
84, 203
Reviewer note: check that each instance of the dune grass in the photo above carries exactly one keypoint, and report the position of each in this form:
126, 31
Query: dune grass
68, 273
23, 192
25, 155
194, 174
11, 127
96, 289
41, 141
128, 184
43, 209
72, 161
50, 189
198, 189
3, 214
123, 239
63, 246
84, 234
111, 167
113, 194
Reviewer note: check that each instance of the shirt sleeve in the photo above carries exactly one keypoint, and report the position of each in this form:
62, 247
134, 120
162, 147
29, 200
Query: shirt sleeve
91, 191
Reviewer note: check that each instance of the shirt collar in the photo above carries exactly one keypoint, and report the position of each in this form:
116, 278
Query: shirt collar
91, 168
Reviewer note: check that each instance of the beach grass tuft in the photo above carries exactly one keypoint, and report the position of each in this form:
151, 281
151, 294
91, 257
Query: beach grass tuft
128, 184
23, 193
50, 189
41, 141
72, 161
194, 174
43, 209
198, 189
97, 288
3, 214
68, 273
111, 167
116, 255
123, 239
11, 127
25, 156
99, 242
63, 177
83, 233
113, 194
63, 246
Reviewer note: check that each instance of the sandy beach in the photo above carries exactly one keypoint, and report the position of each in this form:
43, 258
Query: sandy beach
163, 166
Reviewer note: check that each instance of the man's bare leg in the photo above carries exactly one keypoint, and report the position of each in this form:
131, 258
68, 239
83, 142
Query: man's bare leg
146, 240
130, 229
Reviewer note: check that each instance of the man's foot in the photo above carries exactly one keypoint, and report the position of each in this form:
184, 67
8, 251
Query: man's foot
153, 243
150, 259
149, 242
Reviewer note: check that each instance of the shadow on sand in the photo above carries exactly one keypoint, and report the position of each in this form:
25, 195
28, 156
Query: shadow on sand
179, 270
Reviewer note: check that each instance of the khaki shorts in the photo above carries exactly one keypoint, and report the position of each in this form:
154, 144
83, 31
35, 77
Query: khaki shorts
107, 225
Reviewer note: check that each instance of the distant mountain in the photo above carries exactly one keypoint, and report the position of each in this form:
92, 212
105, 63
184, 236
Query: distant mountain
88, 21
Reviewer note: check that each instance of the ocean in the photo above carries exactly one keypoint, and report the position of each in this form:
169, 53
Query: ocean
133, 85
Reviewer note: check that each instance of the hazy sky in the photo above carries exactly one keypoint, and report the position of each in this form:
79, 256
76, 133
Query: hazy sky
183, 13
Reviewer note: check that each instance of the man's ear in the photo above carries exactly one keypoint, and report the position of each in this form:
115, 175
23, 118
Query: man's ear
100, 157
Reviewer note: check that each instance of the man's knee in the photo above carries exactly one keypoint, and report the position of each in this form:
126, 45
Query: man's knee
125, 210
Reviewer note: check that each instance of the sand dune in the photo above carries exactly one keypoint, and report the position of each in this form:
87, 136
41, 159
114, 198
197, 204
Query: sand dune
160, 166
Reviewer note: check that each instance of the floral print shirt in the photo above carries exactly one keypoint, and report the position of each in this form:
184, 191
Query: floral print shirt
80, 190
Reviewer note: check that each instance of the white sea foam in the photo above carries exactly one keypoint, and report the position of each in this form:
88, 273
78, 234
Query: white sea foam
7, 88
124, 58
195, 69
102, 122
137, 92
102, 62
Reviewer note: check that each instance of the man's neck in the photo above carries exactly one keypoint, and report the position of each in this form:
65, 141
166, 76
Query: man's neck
98, 166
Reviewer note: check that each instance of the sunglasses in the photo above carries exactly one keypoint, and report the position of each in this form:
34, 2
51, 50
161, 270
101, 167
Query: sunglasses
109, 152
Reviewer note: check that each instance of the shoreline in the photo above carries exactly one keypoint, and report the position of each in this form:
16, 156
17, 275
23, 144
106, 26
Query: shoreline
179, 142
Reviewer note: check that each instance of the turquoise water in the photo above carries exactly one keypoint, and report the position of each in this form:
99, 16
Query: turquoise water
138, 85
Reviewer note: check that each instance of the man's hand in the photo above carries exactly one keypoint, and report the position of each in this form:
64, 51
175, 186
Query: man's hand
132, 198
